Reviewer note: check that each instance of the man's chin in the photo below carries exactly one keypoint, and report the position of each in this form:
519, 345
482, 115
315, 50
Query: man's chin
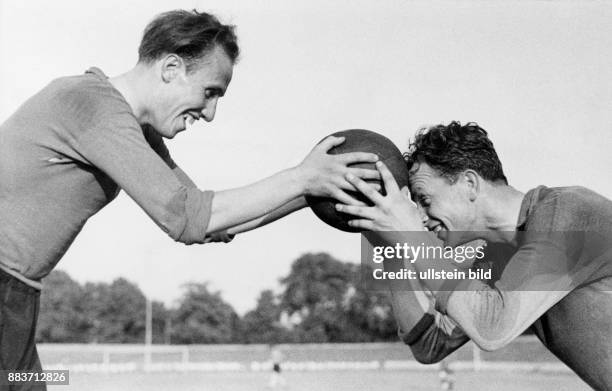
443, 233
172, 133
456, 238
167, 131
449, 238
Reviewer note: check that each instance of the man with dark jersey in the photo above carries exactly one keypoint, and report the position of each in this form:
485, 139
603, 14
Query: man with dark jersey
557, 278
68, 150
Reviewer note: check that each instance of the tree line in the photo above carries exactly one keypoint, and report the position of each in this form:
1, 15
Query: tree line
321, 300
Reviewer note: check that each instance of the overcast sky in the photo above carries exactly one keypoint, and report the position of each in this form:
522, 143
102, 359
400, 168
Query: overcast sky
537, 75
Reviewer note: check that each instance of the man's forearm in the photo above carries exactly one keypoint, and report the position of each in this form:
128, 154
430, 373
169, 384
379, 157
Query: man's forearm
533, 281
494, 317
418, 239
408, 298
288, 208
237, 206
430, 335
487, 317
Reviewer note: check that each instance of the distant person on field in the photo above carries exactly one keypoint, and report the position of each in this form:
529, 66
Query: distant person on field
276, 358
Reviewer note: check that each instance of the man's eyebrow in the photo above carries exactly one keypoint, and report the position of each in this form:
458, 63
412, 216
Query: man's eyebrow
418, 192
222, 90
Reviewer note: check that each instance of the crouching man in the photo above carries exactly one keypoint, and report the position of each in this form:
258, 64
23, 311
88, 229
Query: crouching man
557, 279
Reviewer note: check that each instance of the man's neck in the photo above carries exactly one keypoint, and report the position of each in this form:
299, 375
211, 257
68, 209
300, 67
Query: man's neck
502, 212
135, 86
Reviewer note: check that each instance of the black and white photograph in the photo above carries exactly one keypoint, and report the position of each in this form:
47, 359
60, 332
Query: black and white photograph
305, 195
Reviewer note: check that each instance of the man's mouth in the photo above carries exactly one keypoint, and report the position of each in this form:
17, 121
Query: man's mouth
190, 118
437, 229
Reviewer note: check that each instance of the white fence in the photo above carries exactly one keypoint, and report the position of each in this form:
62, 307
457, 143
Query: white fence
525, 354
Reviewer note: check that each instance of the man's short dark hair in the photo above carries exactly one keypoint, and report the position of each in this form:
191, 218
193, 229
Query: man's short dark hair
453, 148
188, 34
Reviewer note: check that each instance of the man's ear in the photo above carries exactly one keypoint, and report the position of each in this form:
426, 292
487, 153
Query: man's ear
172, 66
473, 183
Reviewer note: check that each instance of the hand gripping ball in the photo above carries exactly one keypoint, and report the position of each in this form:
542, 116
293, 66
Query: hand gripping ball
360, 140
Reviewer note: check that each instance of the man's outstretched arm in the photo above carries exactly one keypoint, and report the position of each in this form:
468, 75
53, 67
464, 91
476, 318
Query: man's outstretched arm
430, 335
320, 174
533, 281
187, 214
228, 234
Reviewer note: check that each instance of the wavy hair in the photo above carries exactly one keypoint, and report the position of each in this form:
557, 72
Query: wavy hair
453, 148
188, 34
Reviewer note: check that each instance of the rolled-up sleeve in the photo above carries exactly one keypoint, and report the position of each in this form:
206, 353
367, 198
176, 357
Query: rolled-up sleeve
191, 208
119, 149
433, 338
157, 143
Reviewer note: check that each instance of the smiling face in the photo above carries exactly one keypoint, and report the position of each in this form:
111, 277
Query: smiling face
188, 95
448, 208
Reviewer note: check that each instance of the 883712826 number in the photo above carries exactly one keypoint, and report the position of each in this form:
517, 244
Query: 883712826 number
47, 376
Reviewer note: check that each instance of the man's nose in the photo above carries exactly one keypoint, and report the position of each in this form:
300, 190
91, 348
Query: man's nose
209, 111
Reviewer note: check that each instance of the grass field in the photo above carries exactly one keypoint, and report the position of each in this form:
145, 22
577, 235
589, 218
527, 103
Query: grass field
323, 381
523, 365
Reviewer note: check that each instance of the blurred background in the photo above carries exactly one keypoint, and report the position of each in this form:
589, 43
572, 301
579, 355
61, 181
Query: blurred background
535, 74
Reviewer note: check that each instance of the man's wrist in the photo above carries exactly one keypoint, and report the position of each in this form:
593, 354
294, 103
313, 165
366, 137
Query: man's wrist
299, 180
